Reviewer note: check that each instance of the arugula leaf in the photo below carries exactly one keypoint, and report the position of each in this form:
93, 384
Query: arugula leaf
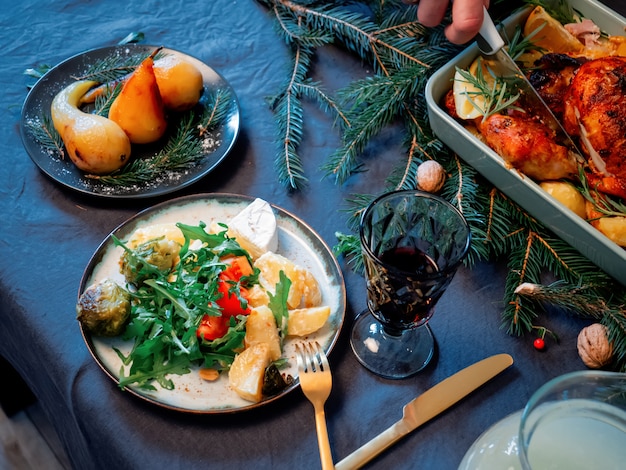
278, 303
168, 306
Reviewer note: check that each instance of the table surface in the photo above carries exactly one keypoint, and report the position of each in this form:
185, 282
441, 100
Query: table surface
49, 234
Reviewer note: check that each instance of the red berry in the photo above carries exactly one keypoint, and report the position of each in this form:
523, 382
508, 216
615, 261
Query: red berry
539, 344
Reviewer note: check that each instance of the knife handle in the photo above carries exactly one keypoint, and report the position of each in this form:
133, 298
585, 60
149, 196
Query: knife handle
489, 40
368, 451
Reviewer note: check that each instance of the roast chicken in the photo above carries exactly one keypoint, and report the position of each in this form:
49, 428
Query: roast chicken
595, 112
589, 97
529, 146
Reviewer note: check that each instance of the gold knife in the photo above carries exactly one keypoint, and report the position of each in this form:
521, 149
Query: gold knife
491, 45
428, 405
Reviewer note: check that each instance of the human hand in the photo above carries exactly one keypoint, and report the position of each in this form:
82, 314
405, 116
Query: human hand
467, 17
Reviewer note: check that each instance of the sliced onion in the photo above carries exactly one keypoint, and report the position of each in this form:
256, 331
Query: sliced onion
597, 160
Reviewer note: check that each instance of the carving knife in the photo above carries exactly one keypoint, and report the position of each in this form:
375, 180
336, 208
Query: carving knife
491, 45
428, 405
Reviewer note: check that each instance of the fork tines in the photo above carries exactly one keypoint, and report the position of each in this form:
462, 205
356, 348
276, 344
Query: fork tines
311, 357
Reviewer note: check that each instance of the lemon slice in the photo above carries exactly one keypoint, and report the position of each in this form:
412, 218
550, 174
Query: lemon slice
552, 36
469, 101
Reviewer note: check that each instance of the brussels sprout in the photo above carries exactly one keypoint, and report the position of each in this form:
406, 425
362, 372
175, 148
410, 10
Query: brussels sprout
159, 254
104, 308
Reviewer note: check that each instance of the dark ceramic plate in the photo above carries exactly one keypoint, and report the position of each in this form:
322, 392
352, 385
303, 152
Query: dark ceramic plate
37, 107
296, 241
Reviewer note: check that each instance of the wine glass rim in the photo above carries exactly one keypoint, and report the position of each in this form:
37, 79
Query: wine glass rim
426, 195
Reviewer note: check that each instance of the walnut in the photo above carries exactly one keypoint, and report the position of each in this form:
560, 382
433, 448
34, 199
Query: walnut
430, 176
594, 347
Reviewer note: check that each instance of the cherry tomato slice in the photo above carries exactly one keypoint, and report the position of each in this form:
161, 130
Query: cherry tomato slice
211, 327
230, 303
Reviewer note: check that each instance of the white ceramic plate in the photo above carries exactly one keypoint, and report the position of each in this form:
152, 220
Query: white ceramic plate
296, 240
37, 106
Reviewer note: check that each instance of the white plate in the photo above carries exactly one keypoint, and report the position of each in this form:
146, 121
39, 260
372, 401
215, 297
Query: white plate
296, 240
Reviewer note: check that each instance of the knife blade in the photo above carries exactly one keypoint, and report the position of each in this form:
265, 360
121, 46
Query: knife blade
428, 405
491, 45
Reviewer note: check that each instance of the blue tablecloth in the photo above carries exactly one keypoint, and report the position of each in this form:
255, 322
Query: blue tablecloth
49, 234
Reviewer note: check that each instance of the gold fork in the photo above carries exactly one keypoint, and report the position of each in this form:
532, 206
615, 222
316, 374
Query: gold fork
316, 382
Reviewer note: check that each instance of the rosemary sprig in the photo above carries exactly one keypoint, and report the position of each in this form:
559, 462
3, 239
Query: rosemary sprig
520, 44
601, 202
495, 93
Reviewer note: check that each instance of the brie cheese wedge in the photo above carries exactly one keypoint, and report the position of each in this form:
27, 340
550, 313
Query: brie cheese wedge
255, 228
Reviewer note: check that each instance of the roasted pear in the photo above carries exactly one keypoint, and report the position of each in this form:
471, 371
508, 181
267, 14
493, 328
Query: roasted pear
94, 143
138, 109
180, 82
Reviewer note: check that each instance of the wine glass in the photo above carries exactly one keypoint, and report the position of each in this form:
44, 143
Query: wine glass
412, 244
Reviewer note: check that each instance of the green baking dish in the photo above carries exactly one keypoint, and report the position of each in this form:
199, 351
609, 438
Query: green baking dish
562, 221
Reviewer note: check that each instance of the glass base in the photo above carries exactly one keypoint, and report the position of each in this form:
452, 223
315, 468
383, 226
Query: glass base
392, 357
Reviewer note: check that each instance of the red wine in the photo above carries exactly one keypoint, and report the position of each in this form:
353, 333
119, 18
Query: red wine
402, 298
410, 260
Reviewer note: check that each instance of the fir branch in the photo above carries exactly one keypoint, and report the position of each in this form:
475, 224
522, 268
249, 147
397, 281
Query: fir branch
580, 300
354, 30
315, 91
385, 97
216, 108
45, 134
288, 109
405, 176
463, 191
112, 67
587, 302
181, 152
104, 101
290, 28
